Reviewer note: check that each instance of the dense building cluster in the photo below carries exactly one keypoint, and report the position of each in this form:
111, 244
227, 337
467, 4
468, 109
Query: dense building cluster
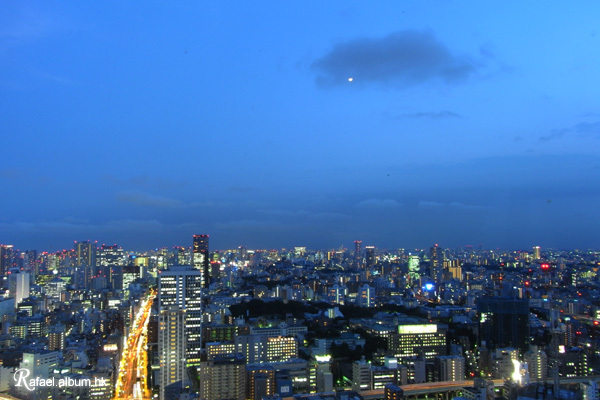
190, 323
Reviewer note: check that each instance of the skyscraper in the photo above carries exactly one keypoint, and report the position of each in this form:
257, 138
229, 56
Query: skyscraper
536, 252
200, 258
85, 263
107, 258
436, 263
357, 252
180, 286
171, 342
414, 270
21, 286
370, 256
503, 322
6, 258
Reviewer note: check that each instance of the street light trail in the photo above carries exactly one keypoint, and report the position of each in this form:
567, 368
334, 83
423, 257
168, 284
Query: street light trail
132, 382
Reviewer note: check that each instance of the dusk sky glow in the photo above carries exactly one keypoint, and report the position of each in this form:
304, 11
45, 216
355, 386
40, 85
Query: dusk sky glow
279, 124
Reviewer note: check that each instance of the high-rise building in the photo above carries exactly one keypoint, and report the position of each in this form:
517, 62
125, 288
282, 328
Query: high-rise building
6, 258
180, 286
414, 270
85, 263
503, 322
108, 257
171, 348
223, 377
55, 288
436, 263
370, 256
30, 260
19, 286
357, 253
200, 258
56, 337
537, 252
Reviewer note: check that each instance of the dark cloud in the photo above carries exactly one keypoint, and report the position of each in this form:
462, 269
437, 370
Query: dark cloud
582, 129
403, 58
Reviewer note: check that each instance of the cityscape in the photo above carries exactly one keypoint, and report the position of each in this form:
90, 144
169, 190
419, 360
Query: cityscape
357, 322
311, 200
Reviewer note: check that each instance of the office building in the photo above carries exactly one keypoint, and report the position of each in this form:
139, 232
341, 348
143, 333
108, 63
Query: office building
357, 253
55, 288
85, 264
19, 284
172, 348
200, 258
417, 340
370, 256
503, 322
280, 349
108, 257
537, 250
6, 258
436, 263
181, 286
414, 270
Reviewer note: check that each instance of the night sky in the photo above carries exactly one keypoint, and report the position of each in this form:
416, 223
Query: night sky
277, 124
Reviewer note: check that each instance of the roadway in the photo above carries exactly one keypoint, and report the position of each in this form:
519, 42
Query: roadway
132, 380
419, 389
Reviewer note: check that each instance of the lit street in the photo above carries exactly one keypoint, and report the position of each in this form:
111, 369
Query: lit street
132, 380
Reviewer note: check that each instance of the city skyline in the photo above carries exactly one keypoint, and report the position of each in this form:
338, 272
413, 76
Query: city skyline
350, 247
317, 124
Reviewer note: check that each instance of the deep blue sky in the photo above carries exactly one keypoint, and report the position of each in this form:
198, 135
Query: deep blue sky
143, 124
